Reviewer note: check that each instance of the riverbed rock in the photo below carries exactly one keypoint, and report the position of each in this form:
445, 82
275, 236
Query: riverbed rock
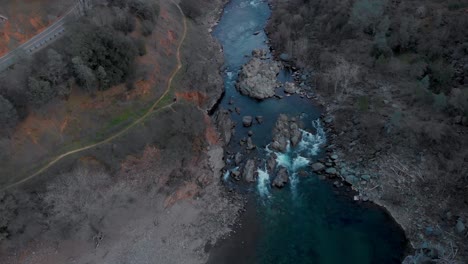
257, 78
290, 88
318, 166
285, 57
235, 175
238, 158
295, 134
247, 121
250, 145
366, 177
271, 163
249, 171
331, 171
282, 177
460, 226
351, 179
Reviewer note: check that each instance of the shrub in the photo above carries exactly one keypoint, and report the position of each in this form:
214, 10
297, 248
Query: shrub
141, 46
440, 101
8, 114
98, 46
124, 22
441, 74
147, 28
144, 10
39, 92
190, 8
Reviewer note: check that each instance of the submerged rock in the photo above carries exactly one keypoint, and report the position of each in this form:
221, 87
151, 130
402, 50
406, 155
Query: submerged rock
282, 177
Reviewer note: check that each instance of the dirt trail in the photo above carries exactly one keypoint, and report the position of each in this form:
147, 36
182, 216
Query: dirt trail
127, 128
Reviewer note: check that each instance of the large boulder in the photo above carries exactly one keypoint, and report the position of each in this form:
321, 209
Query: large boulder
282, 177
257, 78
249, 172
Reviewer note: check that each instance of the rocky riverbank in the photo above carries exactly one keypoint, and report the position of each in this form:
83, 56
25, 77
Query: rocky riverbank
394, 153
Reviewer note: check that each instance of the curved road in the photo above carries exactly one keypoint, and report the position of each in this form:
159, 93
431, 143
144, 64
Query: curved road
127, 128
40, 40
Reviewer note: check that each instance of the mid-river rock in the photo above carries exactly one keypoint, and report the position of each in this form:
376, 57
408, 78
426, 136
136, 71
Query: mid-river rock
247, 121
257, 78
281, 178
249, 171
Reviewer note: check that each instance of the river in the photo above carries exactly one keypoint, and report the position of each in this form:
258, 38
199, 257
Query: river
308, 221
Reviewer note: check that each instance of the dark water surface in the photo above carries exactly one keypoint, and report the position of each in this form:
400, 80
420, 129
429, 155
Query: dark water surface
307, 221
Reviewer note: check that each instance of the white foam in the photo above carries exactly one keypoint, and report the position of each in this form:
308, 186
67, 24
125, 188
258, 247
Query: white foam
294, 159
263, 182
299, 162
226, 175
310, 143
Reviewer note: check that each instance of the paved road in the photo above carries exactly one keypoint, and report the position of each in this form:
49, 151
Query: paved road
41, 40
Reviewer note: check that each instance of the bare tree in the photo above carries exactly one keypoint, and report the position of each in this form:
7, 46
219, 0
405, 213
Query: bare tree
342, 75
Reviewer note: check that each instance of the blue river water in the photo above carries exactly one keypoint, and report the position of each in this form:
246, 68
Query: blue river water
308, 221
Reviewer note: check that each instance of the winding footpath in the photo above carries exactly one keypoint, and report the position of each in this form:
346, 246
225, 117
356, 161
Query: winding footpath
150, 111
